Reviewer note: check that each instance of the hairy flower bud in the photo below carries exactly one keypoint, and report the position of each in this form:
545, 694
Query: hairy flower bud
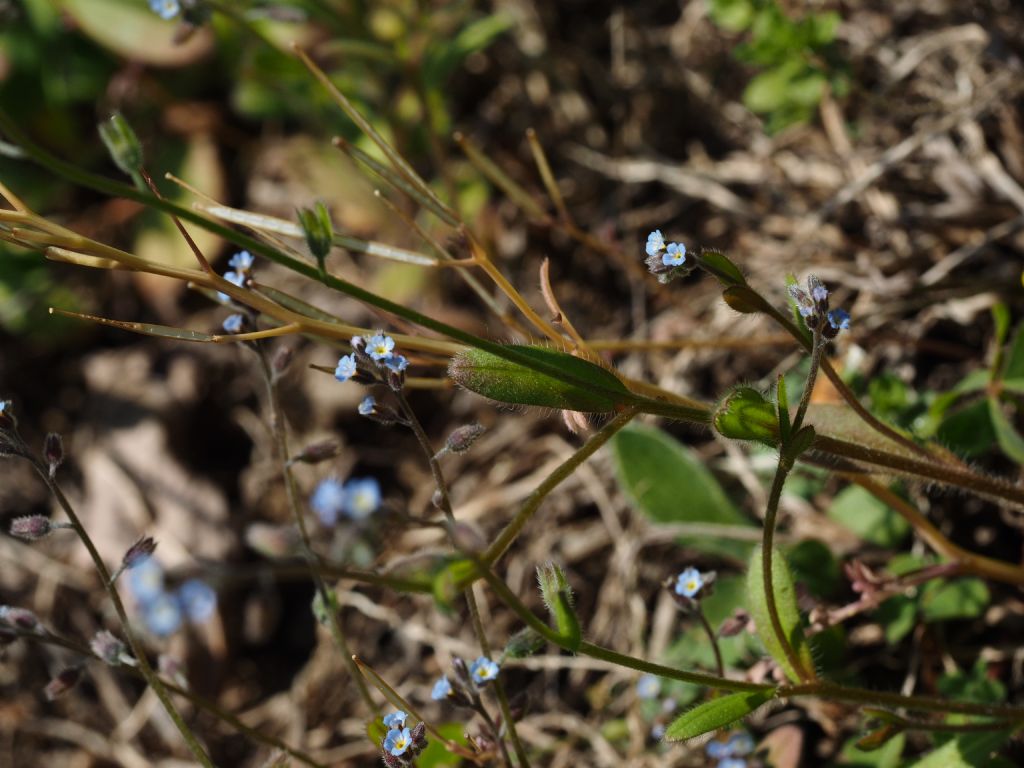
62, 682
20, 618
31, 527
110, 650
461, 439
53, 451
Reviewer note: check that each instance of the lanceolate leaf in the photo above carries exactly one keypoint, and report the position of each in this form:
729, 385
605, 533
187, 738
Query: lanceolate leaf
786, 607
715, 714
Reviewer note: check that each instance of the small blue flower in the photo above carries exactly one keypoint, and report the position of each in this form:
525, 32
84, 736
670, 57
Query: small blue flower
839, 319
328, 500
717, 750
233, 323
346, 368
689, 583
648, 686
819, 292
396, 363
162, 615
657, 731
442, 689
733, 762
362, 497
740, 743
395, 719
483, 670
165, 9
198, 600
655, 243
379, 346
397, 742
367, 406
146, 580
675, 255
235, 278
241, 261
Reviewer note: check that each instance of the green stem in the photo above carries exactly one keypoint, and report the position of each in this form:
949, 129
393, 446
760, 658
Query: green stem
137, 649
279, 430
713, 639
827, 690
805, 398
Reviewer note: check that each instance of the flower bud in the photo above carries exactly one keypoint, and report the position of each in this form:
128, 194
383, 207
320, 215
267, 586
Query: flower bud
317, 452
316, 225
461, 439
139, 551
31, 527
122, 144
53, 451
62, 682
525, 642
110, 650
20, 618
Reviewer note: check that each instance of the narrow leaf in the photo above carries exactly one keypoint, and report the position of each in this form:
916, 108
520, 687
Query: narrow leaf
786, 607
715, 714
1007, 435
146, 329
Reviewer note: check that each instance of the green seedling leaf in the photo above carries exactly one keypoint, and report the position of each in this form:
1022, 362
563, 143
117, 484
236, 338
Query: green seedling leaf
507, 382
973, 685
744, 299
968, 750
732, 15
812, 563
670, 485
557, 594
715, 714
437, 755
746, 414
957, 599
800, 442
872, 520
719, 265
786, 607
1006, 434
1013, 367
897, 615
885, 755
968, 430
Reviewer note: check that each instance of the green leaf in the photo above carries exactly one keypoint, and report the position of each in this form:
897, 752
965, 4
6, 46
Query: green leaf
732, 15
958, 599
872, 520
1006, 434
715, 714
744, 299
507, 382
813, 564
897, 615
666, 481
719, 265
437, 755
746, 414
785, 606
974, 685
886, 756
969, 750
1013, 368
968, 430
445, 584
444, 57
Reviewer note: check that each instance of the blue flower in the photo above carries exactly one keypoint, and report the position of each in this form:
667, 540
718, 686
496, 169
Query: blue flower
730, 752
165, 9
839, 319
717, 750
675, 255
740, 743
733, 762
483, 670
442, 689
146, 580
235, 278
241, 261
648, 686
379, 346
689, 583
162, 615
346, 368
395, 719
328, 500
198, 600
233, 323
397, 742
658, 731
655, 243
819, 292
367, 406
396, 363
362, 497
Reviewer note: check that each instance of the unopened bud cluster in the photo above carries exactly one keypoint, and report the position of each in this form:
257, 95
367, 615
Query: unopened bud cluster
812, 305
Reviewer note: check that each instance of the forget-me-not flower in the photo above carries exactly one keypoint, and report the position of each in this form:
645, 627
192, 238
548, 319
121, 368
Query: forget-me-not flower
328, 500
398, 741
483, 670
648, 686
165, 9
367, 405
839, 319
233, 323
379, 346
655, 243
396, 363
689, 583
241, 261
675, 255
362, 497
146, 580
442, 689
395, 720
346, 368
198, 600
162, 615
235, 278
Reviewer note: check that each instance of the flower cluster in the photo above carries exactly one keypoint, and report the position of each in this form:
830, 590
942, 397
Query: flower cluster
466, 682
373, 360
731, 753
402, 745
163, 611
666, 260
812, 305
690, 586
356, 499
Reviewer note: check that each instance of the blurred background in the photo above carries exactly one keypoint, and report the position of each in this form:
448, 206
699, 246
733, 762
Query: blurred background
879, 144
